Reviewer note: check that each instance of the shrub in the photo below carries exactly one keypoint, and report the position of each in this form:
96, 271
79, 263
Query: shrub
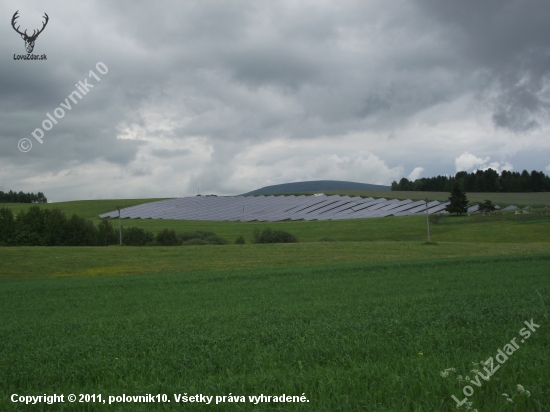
204, 235
185, 236
202, 238
240, 241
135, 236
196, 241
273, 236
216, 240
168, 237
26, 237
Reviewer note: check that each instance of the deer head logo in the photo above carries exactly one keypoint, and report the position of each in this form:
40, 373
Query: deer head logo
29, 40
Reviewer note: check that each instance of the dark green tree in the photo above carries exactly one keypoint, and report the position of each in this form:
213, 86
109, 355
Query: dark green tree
29, 227
135, 236
106, 233
168, 237
459, 201
56, 232
7, 227
486, 206
82, 232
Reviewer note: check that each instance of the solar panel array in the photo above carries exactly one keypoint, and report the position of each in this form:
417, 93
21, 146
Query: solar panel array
511, 207
275, 208
475, 208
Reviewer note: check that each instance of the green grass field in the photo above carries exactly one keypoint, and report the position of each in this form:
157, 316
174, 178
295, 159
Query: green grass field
366, 322
350, 337
44, 262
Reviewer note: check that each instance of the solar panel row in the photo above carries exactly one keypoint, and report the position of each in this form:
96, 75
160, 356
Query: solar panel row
275, 208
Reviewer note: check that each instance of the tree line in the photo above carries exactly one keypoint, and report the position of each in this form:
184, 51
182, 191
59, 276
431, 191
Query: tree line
41, 227
479, 181
14, 197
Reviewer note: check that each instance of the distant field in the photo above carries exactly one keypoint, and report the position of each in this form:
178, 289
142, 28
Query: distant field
350, 337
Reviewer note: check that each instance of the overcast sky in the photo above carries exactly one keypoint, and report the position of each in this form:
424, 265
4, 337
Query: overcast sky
230, 96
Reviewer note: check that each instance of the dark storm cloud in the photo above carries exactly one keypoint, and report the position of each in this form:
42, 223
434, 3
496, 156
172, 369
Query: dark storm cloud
510, 41
213, 79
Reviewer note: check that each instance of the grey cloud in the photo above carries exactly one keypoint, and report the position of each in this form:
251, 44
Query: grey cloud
373, 104
166, 153
231, 75
509, 41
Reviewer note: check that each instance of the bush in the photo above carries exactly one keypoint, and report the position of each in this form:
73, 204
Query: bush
273, 236
196, 241
168, 237
202, 238
240, 241
216, 240
135, 236
185, 236
26, 237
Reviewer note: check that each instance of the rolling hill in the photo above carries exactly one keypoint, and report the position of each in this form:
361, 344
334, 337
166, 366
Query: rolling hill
315, 186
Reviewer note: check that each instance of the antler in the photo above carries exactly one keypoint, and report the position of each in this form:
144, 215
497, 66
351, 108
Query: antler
15, 17
34, 36
34, 33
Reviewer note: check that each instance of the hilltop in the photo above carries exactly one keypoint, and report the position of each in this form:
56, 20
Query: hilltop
315, 186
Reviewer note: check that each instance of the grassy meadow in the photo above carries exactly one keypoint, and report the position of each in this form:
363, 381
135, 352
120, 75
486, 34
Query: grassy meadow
367, 320
351, 337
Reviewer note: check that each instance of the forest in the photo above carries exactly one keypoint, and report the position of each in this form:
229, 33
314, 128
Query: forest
14, 197
479, 181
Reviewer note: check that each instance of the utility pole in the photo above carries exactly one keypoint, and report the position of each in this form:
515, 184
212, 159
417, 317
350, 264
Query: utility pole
119, 226
427, 220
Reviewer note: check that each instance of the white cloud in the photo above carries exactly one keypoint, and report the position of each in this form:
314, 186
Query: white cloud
498, 166
415, 174
548, 168
467, 161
